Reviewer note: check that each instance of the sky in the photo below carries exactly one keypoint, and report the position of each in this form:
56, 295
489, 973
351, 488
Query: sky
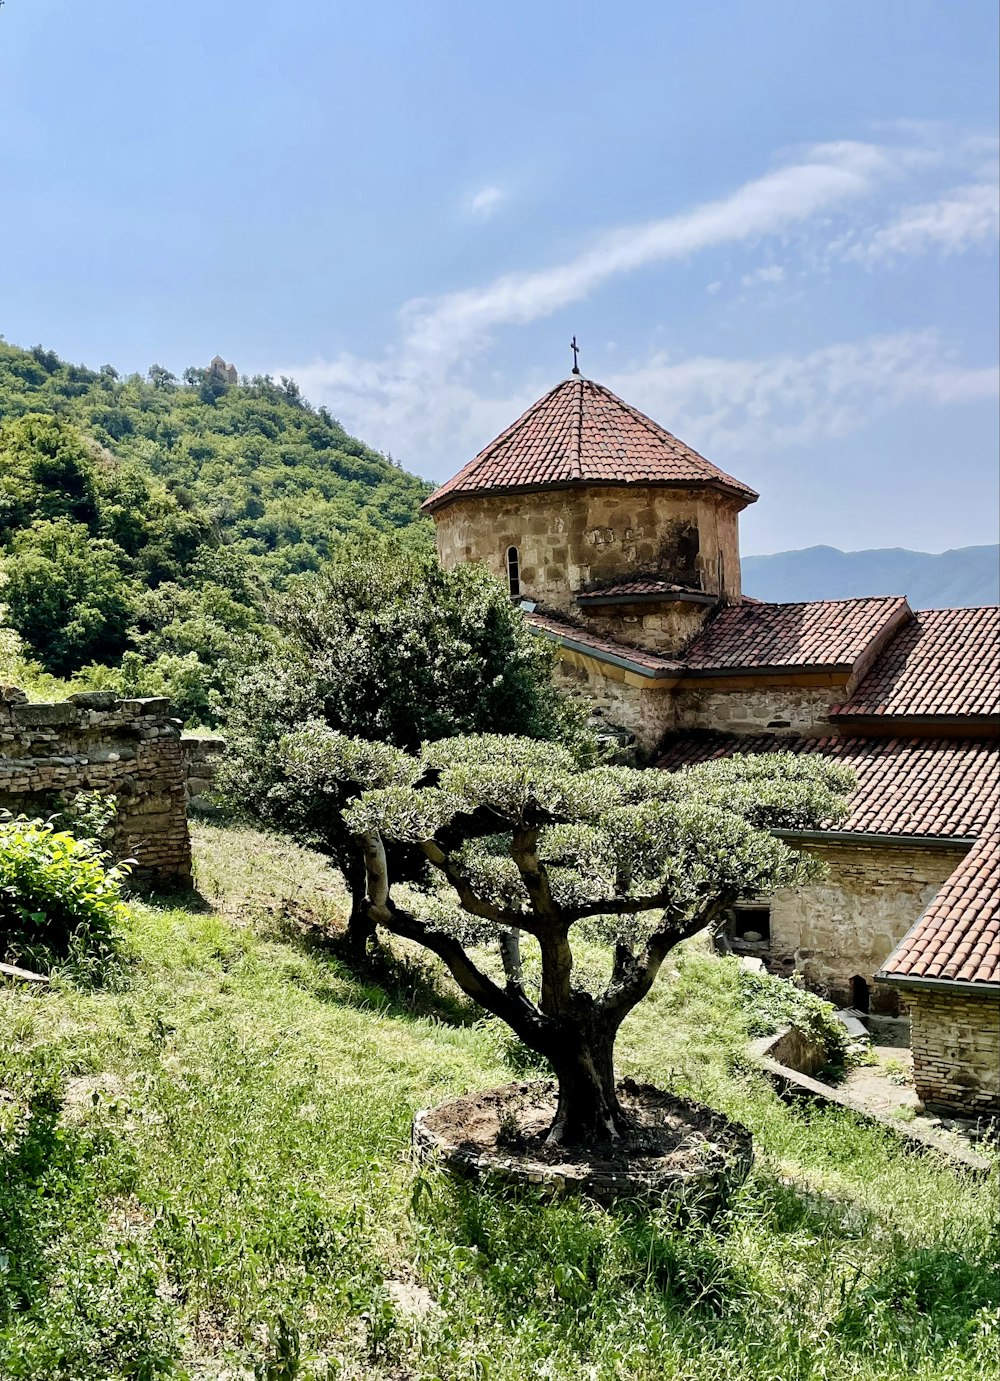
771, 225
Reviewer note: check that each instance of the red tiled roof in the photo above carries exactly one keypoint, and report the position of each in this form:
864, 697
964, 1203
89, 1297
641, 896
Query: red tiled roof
946, 662
640, 658
958, 936
643, 587
829, 632
582, 433
945, 788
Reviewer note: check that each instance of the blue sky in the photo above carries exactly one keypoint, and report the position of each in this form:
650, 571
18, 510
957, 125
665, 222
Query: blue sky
773, 226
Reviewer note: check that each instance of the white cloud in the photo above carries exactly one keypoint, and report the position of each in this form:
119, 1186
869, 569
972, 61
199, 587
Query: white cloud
423, 399
961, 219
713, 288
486, 201
770, 273
738, 405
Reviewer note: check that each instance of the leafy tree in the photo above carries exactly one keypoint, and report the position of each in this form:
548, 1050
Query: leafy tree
66, 595
46, 471
523, 840
383, 645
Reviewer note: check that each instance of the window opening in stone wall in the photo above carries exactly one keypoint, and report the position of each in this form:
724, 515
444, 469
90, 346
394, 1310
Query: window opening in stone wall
752, 923
513, 573
860, 995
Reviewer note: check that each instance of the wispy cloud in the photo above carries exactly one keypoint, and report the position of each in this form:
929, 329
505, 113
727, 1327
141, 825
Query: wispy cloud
486, 201
737, 405
423, 400
957, 221
770, 273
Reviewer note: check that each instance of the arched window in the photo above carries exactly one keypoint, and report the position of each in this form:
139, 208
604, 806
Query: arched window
513, 573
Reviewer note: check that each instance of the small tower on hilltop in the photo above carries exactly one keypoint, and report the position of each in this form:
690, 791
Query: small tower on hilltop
592, 511
225, 373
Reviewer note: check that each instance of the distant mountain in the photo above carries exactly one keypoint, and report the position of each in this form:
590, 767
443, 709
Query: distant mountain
961, 578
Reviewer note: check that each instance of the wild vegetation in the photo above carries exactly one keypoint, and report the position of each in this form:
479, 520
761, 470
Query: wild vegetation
144, 520
204, 1173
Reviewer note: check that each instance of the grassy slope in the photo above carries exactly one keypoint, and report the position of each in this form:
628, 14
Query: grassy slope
217, 1184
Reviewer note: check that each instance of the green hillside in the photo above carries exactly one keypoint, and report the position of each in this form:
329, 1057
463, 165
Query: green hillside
266, 469
144, 520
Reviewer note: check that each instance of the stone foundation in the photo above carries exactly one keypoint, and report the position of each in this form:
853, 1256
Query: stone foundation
955, 1038
96, 741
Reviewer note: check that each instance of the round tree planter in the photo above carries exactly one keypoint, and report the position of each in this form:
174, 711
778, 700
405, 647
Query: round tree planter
677, 1151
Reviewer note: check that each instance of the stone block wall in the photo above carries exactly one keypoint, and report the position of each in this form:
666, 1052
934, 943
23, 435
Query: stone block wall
847, 924
96, 741
756, 708
620, 698
570, 539
955, 1038
201, 754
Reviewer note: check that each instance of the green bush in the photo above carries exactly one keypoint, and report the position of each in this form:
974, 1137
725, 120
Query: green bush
60, 905
770, 1003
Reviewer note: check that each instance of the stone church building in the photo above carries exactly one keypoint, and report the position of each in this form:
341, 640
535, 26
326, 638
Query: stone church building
621, 545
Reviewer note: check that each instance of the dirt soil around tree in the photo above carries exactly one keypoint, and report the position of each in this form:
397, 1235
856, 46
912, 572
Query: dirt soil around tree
672, 1146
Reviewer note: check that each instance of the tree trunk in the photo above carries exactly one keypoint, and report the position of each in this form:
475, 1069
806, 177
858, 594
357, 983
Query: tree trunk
360, 929
588, 1110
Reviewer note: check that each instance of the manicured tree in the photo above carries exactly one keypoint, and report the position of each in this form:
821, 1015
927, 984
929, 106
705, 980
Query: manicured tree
383, 645
520, 839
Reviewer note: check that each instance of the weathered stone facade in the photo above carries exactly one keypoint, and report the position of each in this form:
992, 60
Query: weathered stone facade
757, 706
843, 926
95, 741
955, 1037
569, 540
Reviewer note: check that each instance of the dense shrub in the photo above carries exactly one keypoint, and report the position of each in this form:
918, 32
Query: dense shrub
59, 902
770, 1003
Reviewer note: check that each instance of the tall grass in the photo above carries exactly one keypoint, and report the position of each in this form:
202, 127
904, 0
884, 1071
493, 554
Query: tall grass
205, 1174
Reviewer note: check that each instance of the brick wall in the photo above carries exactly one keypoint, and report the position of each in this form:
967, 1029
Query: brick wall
955, 1039
96, 741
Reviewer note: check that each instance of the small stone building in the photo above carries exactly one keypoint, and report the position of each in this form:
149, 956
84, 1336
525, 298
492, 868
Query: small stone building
621, 545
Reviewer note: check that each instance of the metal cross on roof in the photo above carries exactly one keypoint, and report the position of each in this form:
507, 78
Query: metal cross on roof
576, 350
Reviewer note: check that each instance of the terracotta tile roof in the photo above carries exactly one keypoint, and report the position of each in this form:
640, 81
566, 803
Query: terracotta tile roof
827, 633
640, 658
641, 587
945, 788
582, 433
958, 936
946, 662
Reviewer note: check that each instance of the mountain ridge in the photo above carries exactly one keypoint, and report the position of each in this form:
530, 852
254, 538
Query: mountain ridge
961, 577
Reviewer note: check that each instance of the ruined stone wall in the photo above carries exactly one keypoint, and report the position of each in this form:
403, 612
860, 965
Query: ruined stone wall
754, 709
201, 754
568, 539
955, 1038
95, 741
848, 923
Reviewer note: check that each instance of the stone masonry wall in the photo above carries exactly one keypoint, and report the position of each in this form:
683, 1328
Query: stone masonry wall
95, 741
568, 539
619, 699
956, 1050
754, 709
847, 924
201, 755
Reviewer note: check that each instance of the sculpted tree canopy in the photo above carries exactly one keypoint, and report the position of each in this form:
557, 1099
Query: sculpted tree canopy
519, 839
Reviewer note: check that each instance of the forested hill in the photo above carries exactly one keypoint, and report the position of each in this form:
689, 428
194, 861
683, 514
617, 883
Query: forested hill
260, 466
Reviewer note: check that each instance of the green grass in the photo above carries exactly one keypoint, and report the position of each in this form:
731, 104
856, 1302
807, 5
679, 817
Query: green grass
204, 1173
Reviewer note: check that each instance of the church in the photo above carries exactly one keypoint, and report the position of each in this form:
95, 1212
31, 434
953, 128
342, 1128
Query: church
621, 545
